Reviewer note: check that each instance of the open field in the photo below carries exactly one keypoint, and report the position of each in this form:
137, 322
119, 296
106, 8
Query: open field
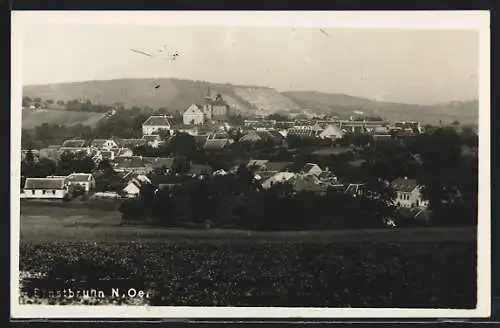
78, 248
48, 223
32, 118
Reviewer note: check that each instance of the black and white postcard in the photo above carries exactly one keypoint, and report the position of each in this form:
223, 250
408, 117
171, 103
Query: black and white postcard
250, 164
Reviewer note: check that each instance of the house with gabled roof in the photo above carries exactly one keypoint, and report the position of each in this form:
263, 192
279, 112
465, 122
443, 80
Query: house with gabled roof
311, 168
130, 143
104, 144
75, 150
156, 124
331, 132
160, 163
193, 115
213, 144
408, 193
134, 164
45, 188
135, 184
280, 177
85, 180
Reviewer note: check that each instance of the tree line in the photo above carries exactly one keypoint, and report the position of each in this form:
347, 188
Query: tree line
236, 201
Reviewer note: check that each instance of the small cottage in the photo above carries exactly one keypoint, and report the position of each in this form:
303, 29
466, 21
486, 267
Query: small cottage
85, 180
408, 193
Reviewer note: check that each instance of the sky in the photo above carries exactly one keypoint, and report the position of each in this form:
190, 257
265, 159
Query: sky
409, 66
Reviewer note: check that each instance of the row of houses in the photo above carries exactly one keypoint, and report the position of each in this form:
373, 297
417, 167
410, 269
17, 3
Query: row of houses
135, 172
56, 187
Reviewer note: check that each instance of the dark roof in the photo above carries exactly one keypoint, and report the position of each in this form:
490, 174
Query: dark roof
301, 132
73, 143
152, 137
309, 183
44, 183
404, 185
278, 166
199, 169
157, 121
159, 162
98, 142
72, 149
80, 177
275, 134
130, 142
216, 143
130, 162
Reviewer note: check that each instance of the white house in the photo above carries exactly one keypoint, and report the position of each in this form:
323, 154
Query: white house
155, 124
194, 115
280, 177
86, 180
45, 188
408, 193
331, 132
104, 144
311, 168
133, 187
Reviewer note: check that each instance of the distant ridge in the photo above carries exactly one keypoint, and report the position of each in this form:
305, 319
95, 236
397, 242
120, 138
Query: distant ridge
177, 94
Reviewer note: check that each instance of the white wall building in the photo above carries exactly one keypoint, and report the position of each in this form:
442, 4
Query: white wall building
155, 124
193, 115
408, 193
85, 180
45, 188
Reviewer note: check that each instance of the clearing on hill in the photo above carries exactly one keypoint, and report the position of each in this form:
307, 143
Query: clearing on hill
33, 118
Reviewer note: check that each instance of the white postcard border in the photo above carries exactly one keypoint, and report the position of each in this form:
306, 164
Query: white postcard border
463, 20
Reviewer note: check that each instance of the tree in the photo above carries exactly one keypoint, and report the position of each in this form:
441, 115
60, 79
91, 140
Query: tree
441, 156
71, 163
182, 144
108, 179
49, 101
278, 117
27, 101
61, 102
162, 111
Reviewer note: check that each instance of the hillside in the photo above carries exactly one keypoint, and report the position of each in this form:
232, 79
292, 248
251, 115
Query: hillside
32, 118
344, 105
177, 95
174, 94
